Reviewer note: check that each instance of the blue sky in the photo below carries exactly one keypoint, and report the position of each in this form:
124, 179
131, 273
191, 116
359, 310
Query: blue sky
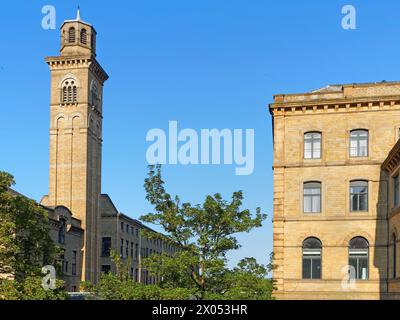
206, 64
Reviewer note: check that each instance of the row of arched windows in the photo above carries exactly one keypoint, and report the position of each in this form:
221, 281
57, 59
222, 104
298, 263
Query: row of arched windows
72, 36
312, 194
358, 258
358, 144
69, 92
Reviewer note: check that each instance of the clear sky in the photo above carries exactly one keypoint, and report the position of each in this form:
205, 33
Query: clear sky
205, 64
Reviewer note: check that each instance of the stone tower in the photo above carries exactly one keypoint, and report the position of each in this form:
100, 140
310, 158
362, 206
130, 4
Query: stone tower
76, 134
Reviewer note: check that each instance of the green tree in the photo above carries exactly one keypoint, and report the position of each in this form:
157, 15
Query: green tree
248, 281
25, 245
119, 286
204, 233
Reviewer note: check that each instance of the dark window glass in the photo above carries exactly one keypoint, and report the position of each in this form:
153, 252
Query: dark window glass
74, 261
359, 196
62, 231
105, 247
312, 249
105, 268
358, 259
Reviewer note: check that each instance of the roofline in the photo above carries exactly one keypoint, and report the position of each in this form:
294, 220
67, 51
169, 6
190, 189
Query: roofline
79, 21
347, 85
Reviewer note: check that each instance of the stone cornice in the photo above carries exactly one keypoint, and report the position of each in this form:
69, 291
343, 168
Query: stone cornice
79, 61
343, 105
393, 159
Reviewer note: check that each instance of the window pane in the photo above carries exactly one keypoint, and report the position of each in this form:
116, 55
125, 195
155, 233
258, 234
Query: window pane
354, 203
307, 149
317, 151
307, 204
306, 268
316, 204
353, 147
363, 268
363, 147
352, 268
316, 268
363, 202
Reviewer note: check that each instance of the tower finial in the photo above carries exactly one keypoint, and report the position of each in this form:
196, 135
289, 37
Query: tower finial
78, 14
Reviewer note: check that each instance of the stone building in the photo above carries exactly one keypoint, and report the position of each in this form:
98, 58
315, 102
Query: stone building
84, 222
123, 235
336, 192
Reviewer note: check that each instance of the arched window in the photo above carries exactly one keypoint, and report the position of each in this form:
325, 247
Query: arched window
394, 264
69, 92
61, 231
312, 249
83, 36
312, 145
359, 143
359, 195
95, 95
71, 35
358, 258
312, 197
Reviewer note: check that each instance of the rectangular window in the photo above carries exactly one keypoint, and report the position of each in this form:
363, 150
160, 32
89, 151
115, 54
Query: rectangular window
359, 196
122, 226
122, 248
312, 145
131, 249
74, 259
136, 275
127, 228
396, 190
136, 250
359, 143
312, 197
127, 249
105, 268
105, 246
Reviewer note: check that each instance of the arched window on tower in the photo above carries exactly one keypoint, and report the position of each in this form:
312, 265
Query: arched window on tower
69, 92
71, 35
84, 36
95, 95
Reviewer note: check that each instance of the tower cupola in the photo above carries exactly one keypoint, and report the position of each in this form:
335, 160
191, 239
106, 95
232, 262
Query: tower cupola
78, 37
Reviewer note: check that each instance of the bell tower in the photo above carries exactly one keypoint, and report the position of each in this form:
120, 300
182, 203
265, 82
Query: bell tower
76, 134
